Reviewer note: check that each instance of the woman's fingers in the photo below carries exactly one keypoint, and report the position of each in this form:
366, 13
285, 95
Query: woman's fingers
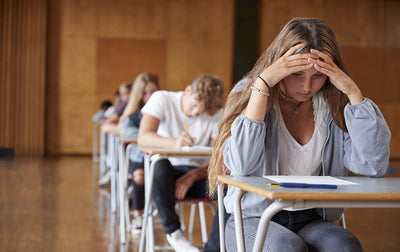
324, 56
293, 49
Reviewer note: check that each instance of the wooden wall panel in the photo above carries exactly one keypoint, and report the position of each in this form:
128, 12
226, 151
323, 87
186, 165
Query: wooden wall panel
200, 40
22, 75
96, 45
368, 32
121, 60
137, 19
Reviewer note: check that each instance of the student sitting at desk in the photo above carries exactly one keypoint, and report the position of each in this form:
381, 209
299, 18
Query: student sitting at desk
162, 126
110, 126
299, 114
144, 86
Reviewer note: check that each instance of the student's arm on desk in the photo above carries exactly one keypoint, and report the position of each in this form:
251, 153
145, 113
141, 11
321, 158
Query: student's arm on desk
112, 119
148, 136
183, 184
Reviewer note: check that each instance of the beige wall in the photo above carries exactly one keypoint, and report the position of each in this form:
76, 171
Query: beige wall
368, 32
94, 46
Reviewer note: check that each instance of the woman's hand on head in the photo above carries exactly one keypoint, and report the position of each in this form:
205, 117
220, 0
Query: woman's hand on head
338, 78
287, 64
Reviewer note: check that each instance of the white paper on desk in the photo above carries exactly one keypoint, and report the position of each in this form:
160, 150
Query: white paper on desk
197, 148
327, 180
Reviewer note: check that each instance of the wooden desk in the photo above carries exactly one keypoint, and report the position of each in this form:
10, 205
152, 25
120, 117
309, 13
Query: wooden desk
368, 193
153, 155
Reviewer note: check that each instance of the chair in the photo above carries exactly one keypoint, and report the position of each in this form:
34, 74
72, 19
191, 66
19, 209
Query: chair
150, 161
196, 202
342, 221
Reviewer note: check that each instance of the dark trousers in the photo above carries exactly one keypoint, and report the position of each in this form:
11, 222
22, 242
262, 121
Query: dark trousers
137, 194
165, 175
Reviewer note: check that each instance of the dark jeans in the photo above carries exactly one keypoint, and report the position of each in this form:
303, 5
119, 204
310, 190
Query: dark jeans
137, 194
299, 231
165, 176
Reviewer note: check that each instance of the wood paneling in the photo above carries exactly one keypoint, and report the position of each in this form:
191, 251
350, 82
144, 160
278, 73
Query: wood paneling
121, 60
368, 32
198, 37
96, 45
199, 40
22, 75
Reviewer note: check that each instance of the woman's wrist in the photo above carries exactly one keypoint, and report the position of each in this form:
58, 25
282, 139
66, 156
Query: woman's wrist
260, 85
354, 94
266, 77
356, 97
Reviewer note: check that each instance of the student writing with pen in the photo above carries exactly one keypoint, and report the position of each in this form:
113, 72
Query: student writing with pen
168, 117
297, 112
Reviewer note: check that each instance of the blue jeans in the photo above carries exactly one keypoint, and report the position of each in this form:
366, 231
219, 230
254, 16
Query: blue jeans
165, 175
299, 231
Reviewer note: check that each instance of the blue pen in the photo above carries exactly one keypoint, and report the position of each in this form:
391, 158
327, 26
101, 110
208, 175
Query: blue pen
303, 185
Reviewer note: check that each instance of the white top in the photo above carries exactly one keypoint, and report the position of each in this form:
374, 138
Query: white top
109, 111
303, 160
166, 106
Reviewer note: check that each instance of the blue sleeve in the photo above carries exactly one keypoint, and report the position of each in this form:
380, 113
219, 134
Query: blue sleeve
367, 143
128, 130
244, 151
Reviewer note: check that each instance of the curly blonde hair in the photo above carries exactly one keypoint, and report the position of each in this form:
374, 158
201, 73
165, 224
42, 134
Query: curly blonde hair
208, 89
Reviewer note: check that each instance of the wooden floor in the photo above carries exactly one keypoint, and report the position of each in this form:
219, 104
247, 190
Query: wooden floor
54, 204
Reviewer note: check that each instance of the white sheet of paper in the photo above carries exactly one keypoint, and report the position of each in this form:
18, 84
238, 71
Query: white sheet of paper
197, 148
328, 180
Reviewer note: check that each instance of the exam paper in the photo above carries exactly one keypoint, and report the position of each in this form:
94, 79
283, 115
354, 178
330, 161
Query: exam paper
197, 148
328, 180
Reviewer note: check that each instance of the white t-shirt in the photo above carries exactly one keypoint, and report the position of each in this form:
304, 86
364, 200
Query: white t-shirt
166, 106
304, 160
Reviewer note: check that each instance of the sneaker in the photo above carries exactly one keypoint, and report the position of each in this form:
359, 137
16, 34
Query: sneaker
136, 226
105, 179
180, 243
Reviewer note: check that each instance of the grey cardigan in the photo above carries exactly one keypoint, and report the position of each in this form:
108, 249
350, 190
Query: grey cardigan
252, 150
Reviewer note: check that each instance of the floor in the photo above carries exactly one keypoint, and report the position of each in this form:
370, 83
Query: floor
54, 204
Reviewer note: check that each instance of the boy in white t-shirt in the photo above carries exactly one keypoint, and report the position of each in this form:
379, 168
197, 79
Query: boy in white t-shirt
199, 106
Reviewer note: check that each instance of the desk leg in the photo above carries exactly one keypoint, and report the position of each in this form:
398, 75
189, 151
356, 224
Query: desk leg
114, 164
147, 220
147, 202
266, 217
95, 142
150, 230
121, 189
102, 158
221, 220
239, 221
125, 192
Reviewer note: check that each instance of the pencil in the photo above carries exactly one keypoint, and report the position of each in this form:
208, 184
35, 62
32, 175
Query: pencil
303, 185
186, 128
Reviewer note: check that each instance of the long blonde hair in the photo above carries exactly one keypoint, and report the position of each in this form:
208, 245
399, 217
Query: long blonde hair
317, 35
137, 92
